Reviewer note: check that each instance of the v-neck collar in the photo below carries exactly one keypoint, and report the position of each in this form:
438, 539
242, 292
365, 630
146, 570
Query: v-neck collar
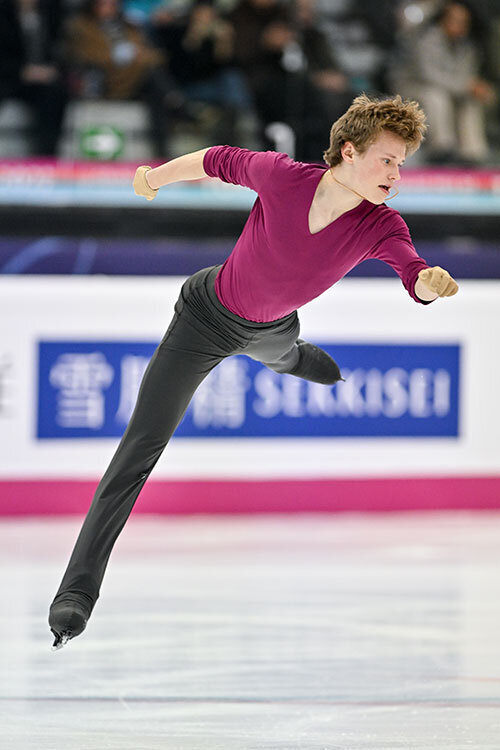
349, 211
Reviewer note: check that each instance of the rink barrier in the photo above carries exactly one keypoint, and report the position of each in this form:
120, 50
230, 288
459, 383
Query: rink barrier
165, 497
177, 256
302, 446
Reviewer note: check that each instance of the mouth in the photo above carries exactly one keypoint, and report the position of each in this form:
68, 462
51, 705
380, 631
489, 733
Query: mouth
385, 188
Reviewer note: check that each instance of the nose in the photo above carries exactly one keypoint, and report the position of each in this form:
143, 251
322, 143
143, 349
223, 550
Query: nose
395, 176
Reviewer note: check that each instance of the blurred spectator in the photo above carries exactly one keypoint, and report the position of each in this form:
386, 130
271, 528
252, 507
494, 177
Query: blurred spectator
381, 21
28, 67
112, 59
250, 18
200, 48
331, 83
441, 69
381, 18
361, 47
493, 69
292, 70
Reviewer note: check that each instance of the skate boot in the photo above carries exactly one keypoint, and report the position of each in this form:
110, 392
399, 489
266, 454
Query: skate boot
316, 365
67, 619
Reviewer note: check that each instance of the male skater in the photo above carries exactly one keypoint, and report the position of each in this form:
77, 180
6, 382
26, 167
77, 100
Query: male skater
308, 227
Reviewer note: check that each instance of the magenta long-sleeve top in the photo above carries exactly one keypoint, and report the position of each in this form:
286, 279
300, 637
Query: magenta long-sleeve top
277, 265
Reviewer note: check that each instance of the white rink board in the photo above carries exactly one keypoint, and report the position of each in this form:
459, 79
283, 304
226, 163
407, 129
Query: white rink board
355, 311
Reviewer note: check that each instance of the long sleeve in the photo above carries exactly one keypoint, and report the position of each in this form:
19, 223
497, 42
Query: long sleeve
241, 166
398, 251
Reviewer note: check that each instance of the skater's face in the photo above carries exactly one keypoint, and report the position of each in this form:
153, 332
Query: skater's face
376, 170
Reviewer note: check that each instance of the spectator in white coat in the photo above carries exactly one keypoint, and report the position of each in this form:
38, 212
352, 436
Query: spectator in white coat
441, 69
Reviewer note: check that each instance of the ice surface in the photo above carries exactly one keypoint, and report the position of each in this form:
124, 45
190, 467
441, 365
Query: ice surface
259, 633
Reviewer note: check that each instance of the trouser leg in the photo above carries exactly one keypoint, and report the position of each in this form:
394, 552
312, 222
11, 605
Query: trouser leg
472, 130
189, 351
49, 103
166, 390
440, 110
284, 363
283, 352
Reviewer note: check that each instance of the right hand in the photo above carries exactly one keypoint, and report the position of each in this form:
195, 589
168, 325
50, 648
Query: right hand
141, 185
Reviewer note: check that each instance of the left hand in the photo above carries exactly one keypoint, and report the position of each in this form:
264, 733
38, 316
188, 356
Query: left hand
438, 281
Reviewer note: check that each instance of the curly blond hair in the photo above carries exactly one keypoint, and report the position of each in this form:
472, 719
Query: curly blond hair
367, 117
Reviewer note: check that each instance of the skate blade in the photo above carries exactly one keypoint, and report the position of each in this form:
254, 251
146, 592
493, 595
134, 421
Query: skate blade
60, 641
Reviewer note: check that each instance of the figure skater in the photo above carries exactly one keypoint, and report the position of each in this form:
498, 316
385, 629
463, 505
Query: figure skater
308, 227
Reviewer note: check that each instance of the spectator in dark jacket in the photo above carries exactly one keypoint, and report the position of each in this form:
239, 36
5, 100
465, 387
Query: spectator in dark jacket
201, 50
29, 69
250, 18
327, 77
292, 70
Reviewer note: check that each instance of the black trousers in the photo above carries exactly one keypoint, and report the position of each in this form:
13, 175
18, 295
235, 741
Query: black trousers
201, 334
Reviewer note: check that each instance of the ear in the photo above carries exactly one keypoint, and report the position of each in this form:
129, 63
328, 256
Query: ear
348, 150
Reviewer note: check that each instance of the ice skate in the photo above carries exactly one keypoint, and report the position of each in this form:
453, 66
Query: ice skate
315, 365
67, 619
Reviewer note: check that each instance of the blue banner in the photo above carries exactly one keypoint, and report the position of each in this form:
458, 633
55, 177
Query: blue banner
89, 389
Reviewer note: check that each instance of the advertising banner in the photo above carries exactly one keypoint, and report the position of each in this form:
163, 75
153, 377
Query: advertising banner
89, 389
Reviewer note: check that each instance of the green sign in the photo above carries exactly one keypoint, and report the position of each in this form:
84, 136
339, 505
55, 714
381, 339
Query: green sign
104, 142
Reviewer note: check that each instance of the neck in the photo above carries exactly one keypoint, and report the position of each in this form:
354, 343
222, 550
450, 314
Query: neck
346, 186
355, 192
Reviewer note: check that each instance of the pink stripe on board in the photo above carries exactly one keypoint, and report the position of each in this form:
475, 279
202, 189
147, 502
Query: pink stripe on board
266, 496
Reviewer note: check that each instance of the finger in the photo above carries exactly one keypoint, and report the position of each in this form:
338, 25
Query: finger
444, 280
442, 289
431, 278
442, 284
424, 275
451, 289
141, 186
437, 281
